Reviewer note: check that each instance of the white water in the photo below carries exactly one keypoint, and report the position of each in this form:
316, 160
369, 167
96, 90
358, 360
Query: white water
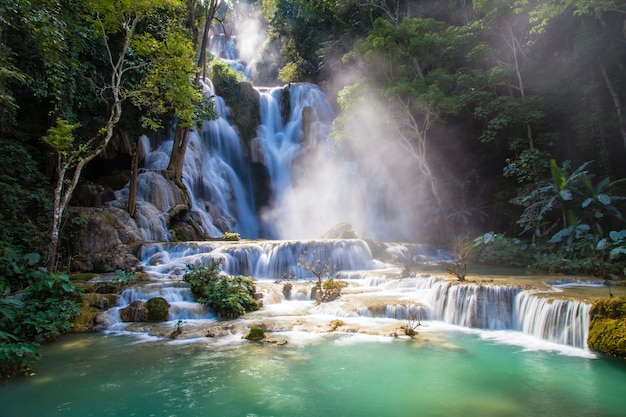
376, 291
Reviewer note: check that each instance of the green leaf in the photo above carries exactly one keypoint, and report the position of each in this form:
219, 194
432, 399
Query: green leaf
620, 250
604, 199
32, 259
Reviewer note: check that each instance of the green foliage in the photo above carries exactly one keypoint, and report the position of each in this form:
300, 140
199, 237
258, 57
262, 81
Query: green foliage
61, 136
289, 73
24, 201
541, 199
225, 79
168, 88
228, 297
45, 309
498, 249
18, 271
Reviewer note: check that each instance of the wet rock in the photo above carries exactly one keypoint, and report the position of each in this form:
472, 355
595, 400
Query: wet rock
158, 309
105, 242
255, 334
136, 311
335, 324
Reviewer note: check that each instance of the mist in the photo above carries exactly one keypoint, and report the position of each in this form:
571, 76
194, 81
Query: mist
363, 180
251, 31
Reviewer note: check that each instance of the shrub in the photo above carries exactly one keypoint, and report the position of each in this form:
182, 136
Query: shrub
498, 249
46, 308
227, 296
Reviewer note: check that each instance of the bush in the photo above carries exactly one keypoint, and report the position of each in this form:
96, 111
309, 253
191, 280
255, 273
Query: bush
46, 308
497, 249
227, 296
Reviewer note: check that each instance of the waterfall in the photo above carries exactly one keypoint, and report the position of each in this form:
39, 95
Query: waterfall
471, 305
265, 259
376, 290
560, 321
496, 307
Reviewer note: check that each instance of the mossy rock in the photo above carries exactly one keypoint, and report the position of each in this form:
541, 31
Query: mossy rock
607, 330
99, 301
135, 311
256, 334
85, 322
82, 276
158, 309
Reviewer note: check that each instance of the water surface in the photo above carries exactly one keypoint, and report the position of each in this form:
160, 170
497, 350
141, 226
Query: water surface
442, 372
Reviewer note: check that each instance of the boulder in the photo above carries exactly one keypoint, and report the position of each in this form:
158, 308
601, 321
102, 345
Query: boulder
105, 241
158, 309
607, 329
136, 311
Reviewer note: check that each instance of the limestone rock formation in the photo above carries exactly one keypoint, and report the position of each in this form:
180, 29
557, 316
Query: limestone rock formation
106, 240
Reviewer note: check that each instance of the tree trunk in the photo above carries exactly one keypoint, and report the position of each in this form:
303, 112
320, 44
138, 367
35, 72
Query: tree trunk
616, 102
191, 9
177, 158
181, 136
57, 216
73, 164
212, 9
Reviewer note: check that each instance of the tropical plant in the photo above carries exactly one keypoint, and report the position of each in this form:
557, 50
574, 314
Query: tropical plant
227, 296
498, 249
543, 198
45, 309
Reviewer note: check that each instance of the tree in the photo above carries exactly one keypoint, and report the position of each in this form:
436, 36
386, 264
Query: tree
412, 69
215, 9
609, 40
116, 23
169, 91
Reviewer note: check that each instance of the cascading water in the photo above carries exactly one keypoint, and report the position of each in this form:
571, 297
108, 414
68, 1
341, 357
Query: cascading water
375, 290
315, 184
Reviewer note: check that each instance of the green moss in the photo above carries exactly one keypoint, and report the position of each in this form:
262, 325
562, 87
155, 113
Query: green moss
82, 276
231, 236
256, 333
99, 301
607, 330
158, 309
240, 96
86, 320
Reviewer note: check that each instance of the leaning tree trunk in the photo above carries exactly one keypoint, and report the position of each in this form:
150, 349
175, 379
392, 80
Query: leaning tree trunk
181, 136
177, 158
